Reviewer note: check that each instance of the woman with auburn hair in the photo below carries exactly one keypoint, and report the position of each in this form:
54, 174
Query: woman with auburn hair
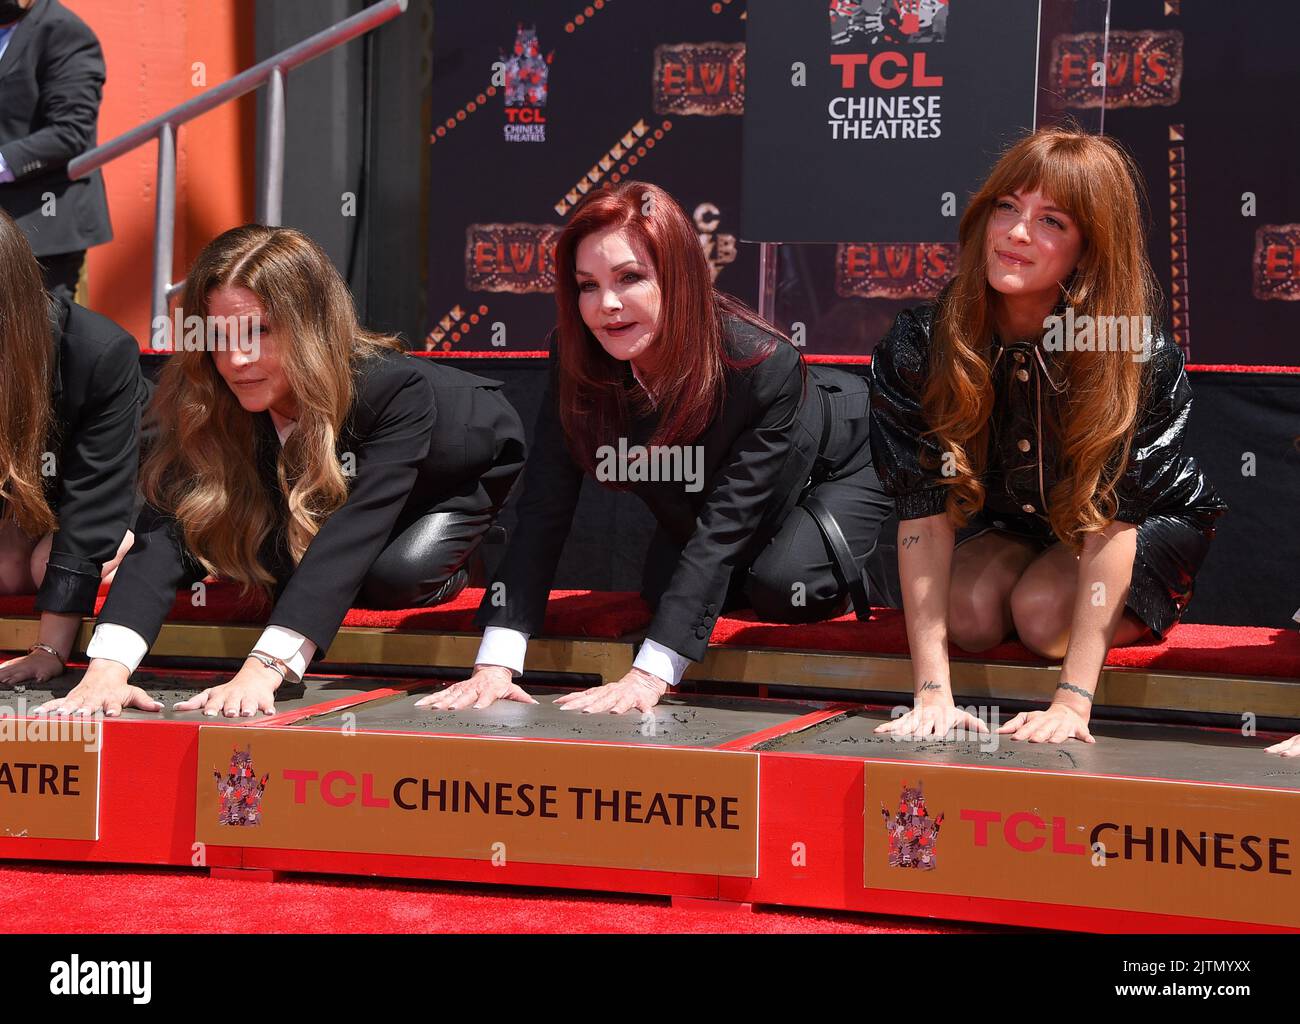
304, 456
69, 452
757, 469
1039, 480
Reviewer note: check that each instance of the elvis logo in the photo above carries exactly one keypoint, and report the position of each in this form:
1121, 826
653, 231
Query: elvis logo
515, 258
888, 21
1143, 68
893, 271
707, 79
526, 87
240, 791
1276, 270
913, 834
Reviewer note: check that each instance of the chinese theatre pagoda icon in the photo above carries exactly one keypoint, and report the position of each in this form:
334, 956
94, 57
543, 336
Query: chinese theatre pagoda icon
912, 832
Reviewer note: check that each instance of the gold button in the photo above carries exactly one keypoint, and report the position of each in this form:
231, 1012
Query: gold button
1020, 357
1027, 508
1022, 375
1023, 445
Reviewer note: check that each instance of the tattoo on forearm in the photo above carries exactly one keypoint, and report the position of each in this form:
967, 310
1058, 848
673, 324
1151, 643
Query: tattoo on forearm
909, 541
1070, 687
930, 685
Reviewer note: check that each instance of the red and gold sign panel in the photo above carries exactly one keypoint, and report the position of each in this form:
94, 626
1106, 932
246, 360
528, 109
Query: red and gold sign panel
49, 783
1120, 844
596, 805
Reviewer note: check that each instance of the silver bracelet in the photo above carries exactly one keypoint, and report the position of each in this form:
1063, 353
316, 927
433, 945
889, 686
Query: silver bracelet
274, 664
38, 646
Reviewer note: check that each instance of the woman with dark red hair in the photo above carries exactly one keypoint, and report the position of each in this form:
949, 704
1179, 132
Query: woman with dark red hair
757, 468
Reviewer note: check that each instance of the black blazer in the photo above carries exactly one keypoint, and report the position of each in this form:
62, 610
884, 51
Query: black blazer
758, 455
51, 80
426, 436
97, 394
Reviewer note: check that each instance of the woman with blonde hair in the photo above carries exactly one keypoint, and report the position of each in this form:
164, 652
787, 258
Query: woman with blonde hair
1029, 424
302, 455
69, 453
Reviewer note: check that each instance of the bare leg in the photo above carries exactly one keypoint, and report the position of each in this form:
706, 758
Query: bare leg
15, 560
1042, 605
985, 571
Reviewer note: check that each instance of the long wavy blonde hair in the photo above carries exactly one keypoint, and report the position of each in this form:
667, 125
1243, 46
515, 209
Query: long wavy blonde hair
26, 365
1100, 187
203, 469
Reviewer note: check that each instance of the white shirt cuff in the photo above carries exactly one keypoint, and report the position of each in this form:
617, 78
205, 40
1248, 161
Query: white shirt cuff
117, 643
7, 175
661, 661
290, 646
503, 646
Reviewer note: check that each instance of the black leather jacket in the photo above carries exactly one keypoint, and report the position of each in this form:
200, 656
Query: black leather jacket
1159, 480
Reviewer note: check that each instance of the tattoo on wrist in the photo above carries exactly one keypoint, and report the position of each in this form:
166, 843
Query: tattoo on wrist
909, 541
1071, 688
930, 684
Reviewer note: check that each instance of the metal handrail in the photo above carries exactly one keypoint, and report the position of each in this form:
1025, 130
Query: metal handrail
165, 126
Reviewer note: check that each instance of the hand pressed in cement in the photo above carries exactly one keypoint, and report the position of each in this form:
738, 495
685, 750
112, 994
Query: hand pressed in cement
250, 691
638, 690
933, 714
1055, 725
104, 688
1287, 748
488, 684
37, 667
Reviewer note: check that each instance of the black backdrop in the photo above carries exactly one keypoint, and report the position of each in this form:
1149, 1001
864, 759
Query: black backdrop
405, 253
1202, 93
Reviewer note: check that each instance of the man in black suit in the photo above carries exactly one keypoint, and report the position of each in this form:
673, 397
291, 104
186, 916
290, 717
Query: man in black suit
51, 81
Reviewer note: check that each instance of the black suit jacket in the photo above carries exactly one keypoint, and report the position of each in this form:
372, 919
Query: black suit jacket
426, 437
51, 80
758, 455
98, 395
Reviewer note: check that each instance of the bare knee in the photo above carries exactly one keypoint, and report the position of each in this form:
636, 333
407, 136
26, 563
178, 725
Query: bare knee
40, 558
1041, 614
976, 617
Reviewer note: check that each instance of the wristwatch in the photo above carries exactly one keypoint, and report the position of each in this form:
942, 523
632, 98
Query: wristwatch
276, 665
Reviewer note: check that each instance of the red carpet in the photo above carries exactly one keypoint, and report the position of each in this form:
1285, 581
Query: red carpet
42, 898
573, 613
1188, 647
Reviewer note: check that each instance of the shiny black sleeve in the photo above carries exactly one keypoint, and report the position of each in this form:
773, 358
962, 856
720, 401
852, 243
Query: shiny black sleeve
899, 367
1155, 460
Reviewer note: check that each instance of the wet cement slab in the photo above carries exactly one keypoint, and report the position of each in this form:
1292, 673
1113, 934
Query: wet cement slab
170, 689
676, 721
1137, 750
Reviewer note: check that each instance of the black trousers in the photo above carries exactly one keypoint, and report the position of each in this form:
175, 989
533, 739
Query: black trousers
61, 272
428, 563
794, 578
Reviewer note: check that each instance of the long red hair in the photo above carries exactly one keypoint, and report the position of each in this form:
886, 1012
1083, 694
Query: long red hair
687, 360
1098, 184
